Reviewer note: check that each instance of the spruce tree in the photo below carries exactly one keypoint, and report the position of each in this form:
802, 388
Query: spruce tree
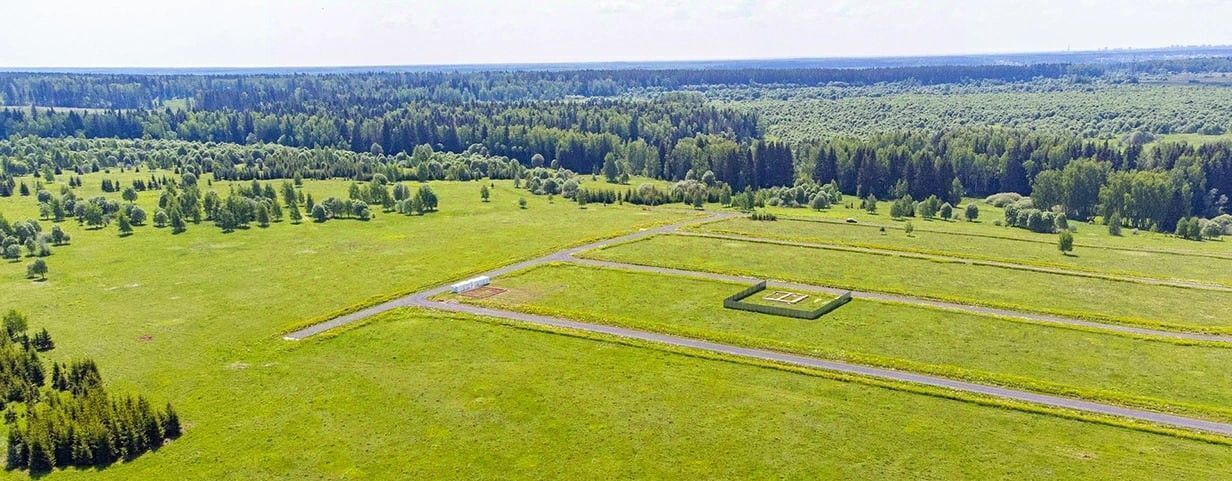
296, 216
171, 423
263, 215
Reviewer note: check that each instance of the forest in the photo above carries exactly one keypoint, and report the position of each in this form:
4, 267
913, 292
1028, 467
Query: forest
298, 93
1022, 128
376, 91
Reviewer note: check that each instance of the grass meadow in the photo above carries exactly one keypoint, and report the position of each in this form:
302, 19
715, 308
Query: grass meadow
195, 319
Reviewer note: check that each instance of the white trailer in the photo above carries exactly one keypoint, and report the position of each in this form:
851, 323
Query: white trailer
470, 284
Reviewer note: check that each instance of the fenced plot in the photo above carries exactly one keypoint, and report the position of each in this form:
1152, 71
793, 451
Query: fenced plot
737, 301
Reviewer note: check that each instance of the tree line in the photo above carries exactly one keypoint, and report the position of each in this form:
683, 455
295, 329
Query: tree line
1147, 187
577, 133
1164, 181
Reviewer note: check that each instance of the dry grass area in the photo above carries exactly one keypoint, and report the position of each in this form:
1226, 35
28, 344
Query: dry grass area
483, 292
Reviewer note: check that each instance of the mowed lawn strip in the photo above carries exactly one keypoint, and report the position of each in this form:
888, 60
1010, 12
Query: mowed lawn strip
420, 395
1086, 259
1148, 373
1131, 303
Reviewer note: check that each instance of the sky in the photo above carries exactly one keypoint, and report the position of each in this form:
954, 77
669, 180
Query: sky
270, 33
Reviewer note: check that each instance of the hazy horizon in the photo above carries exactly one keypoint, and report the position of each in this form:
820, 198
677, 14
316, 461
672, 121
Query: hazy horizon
335, 33
54, 68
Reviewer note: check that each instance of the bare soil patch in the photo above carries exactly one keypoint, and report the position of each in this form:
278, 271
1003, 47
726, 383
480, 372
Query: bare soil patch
483, 292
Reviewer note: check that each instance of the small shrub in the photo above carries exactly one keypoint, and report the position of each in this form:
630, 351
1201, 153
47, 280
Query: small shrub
1114, 225
1065, 242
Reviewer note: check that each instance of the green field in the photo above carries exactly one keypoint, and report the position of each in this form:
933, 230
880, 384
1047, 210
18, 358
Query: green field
634, 182
1116, 301
195, 319
1042, 254
426, 396
1153, 373
248, 285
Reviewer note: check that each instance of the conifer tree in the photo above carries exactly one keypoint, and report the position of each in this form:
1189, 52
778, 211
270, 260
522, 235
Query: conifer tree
296, 216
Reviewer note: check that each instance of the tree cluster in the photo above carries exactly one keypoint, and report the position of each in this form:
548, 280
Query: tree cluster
29, 236
1035, 220
65, 417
